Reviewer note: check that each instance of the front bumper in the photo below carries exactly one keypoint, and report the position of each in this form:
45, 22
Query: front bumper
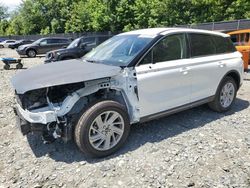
44, 116
21, 52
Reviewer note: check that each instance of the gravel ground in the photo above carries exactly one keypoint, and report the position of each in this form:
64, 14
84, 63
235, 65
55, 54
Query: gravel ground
194, 148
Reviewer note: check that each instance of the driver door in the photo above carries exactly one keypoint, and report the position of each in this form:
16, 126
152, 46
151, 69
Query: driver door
163, 77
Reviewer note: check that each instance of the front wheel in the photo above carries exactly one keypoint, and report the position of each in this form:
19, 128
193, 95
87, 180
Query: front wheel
102, 129
225, 95
31, 53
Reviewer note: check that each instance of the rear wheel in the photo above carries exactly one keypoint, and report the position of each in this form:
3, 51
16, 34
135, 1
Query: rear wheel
225, 95
1, 46
31, 53
19, 66
102, 129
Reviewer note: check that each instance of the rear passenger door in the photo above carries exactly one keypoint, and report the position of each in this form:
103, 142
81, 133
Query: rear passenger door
207, 65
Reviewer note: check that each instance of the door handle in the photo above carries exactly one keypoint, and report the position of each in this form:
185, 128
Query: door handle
184, 70
221, 64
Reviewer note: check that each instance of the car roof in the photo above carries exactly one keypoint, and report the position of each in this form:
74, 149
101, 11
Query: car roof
165, 31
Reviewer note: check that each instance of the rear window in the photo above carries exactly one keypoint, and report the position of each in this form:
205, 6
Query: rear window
201, 45
223, 45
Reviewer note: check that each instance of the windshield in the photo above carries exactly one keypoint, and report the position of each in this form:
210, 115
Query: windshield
38, 41
74, 43
118, 50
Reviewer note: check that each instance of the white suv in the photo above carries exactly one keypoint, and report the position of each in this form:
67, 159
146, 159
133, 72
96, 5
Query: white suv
133, 77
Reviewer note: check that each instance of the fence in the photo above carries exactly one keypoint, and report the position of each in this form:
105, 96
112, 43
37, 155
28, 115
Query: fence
67, 35
224, 26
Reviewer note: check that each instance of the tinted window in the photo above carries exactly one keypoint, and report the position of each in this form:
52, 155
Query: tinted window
88, 40
51, 41
170, 48
63, 41
223, 45
102, 39
201, 45
235, 39
57, 41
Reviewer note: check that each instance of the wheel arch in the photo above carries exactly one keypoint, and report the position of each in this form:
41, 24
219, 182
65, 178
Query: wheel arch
235, 75
30, 49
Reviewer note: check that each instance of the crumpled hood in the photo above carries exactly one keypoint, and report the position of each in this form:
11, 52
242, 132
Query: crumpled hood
60, 73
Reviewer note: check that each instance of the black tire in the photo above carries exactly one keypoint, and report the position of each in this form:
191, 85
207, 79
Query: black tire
83, 127
1, 46
6, 67
19, 66
31, 53
216, 103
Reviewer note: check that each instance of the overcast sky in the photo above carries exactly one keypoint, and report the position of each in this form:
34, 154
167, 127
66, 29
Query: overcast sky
11, 4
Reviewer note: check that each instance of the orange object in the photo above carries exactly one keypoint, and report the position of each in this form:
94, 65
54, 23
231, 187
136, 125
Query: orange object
241, 40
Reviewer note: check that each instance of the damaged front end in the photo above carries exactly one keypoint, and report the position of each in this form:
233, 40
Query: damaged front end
50, 111
50, 97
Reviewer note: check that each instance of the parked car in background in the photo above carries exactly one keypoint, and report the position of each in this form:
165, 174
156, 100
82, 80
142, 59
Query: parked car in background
76, 49
19, 43
132, 77
6, 43
2, 39
42, 46
241, 39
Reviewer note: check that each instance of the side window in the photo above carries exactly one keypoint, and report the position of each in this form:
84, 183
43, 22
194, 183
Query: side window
88, 41
247, 39
242, 38
55, 41
172, 47
223, 45
44, 42
234, 39
201, 45
63, 41
102, 39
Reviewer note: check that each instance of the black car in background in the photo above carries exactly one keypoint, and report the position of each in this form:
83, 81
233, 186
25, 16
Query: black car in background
42, 46
78, 48
19, 43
